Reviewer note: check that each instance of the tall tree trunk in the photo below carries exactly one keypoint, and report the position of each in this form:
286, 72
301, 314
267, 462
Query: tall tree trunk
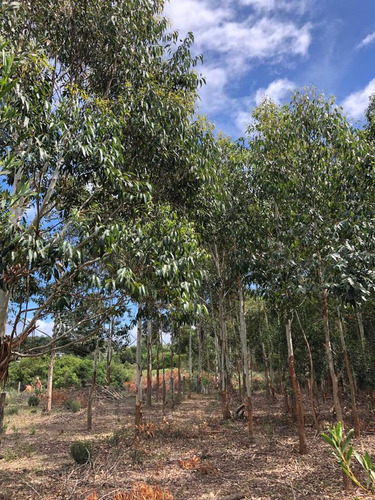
190, 360
92, 389
179, 388
171, 379
208, 364
349, 372
245, 361
296, 390
149, 362
158, 368
361, 329
223, 362
311, 383
199, 379
109, 352
335, 387
4, 307
138, 398
48, 398
164, 385
2, 410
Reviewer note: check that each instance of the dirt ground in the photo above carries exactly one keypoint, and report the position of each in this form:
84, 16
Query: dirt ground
188, 451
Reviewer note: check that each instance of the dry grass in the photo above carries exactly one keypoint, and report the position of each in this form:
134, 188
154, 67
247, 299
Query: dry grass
188, 454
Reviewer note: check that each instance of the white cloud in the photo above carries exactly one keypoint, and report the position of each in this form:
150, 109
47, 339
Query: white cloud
262, 39
42, 328
296, 6
195, 15
277, 91
45, 328
356, 103
233, 45
236, 42
367, 40
243, 119
213, 94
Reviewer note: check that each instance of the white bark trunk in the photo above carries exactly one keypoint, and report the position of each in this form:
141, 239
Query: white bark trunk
4, 306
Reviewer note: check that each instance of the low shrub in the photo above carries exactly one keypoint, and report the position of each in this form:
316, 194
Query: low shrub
33, 401
73, 405
81, 452
12, 411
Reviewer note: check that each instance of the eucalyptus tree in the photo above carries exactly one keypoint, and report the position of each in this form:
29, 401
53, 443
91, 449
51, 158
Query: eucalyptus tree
97, 102
165, 259
224, 218
313, 168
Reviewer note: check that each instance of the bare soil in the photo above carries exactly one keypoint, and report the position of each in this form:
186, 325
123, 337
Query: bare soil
188, 451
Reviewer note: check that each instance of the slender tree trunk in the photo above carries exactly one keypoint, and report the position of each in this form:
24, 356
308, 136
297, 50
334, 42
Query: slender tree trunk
296, 390
208, 364
179, 388
311, 383
109, 352
223, 362
349, 372
138, 398
199, 379
361, 329
267, 371
245, 361
48, 399
158, 369
92, 390
239, 370
190, 361
2, 410
4, 307
149, 362
164, 385
171, 379
335, 387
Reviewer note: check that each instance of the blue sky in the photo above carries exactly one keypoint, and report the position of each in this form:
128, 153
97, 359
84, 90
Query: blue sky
253, 48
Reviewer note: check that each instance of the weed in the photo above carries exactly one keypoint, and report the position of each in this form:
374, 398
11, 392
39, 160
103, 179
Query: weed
12, 411
343, 451
120, 435
32, 430
33, 401
81, 452
72, 405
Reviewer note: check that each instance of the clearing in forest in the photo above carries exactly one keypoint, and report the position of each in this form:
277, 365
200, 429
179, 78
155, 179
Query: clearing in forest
189, 452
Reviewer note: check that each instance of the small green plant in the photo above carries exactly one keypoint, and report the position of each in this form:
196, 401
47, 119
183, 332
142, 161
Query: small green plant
32, 430
73, 405
12, 411
81, 452
120, 435
343, 451
33, 401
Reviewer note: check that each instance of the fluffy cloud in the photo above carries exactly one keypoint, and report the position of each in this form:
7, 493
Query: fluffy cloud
195, 15
213, 94
235, 36
257, 39
277, 91
42, 328
367, 40
217, 30
356, 103
296, 6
